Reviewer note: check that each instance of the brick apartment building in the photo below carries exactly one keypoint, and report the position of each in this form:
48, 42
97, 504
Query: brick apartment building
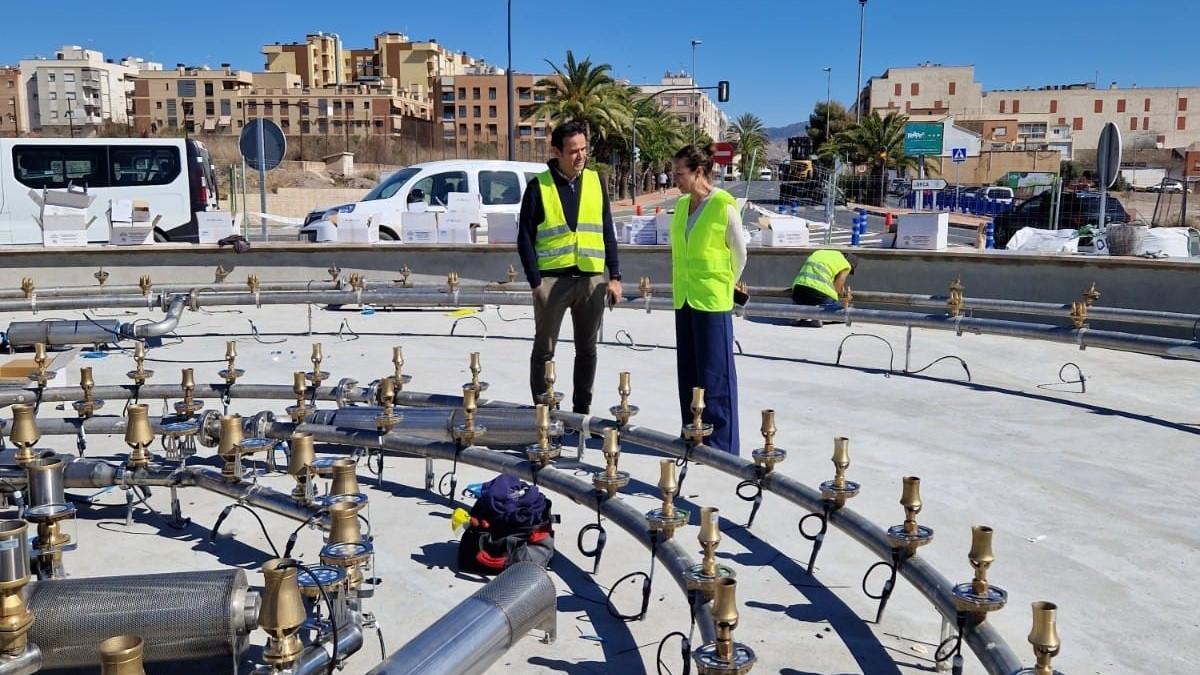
12, 117
474, 114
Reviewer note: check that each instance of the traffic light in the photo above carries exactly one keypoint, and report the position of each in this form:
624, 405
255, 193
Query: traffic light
723, 91
637, 153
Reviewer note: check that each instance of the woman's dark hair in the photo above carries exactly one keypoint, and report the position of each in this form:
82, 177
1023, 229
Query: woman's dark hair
697, 158
564, 131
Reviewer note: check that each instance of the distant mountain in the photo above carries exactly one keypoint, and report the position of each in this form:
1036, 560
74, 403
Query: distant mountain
783, 133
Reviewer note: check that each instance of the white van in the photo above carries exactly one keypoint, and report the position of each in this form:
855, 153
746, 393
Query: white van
173, 174
499, 184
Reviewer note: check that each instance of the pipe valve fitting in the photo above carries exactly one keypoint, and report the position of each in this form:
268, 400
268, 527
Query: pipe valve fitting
549, 431
976, 598
549, 397
466, 432
703, 576
839, 489
723, 656
139, 374
122, 655
768, 455
698, 430
388, 419
317, 376
1044, 638
611, 480
623, 411
231, 372
15, 617
139, 435
666, 519
282, 614
301, 453
24, 433
88, 406
476, 369
398, 376
909, 536
189, 405
41, 376
300, 388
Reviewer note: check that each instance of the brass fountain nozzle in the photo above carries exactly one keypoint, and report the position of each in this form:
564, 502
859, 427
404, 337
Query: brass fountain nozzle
1079, 314
27, 287
476, 368
768, 455
1091, 295
645, 287
623, 411
138, 435
122, 655
955, 301
317, 376
220, 274
15, 617
334, 271
41, 377
229, 448
468, 430
839, 489
977, 597
24, 432
697, 431
909, 536
512, 273
88, 406
189, 405
550, 397
724, 656
666, 519
405, 273
452, 282
398, 376
299, 387
346, 548
547, 447
252, 283
1044, 638
611, 479
356, 281
231, 372
139, 374
301, 455
101, 277
846, 296
704, 575
145, 283
388, 419
345, 477
282, 613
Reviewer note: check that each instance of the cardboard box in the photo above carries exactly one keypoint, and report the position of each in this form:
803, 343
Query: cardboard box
354, 228
923, 231
783, 231
454, 227
419, 228
502, 228
131, 222
642, 231
463, 202
663, 225
63, 216
215, 225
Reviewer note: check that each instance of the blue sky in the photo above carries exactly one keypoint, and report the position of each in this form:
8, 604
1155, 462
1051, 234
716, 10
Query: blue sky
771, 50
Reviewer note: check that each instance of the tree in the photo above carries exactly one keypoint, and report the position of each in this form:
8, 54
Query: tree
877, 142
581, 91
659, 135
839, 121
749, 136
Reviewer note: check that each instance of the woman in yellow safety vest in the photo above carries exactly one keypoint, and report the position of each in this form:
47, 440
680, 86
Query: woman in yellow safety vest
708, 254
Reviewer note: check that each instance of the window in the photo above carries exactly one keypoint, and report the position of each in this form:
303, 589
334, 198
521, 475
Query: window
524, 93
1054, 107
158, 105
462, 130
524, 130
1062, 121
226, 85
68, 77
1077, 124
56, 166
899, 89
1147, 106
187, 88
226, 107
208, 88
916, 89
1016, 106
492, 130
477, 129
143, 165
682, 101
491, 93
475, 93
499, 187
1181, 123
476, 111
1003, 107
462, 92
1182, 105
54, 97
462, 111
210, 108
436, 189
1145, 124
53, 114
492, 111
952, 88
1133, 124
1032, 130
937, 105
1120, 105
337, 106
1098, 106
50, 76
998, 132
366, 105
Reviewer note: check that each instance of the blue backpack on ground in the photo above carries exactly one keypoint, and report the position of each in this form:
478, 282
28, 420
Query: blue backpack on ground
510, 522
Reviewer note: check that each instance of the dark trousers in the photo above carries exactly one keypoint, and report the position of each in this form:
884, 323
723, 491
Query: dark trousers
584, 297
803, 295
704, 355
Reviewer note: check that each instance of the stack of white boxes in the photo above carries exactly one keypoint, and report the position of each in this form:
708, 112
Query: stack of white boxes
662, 223
419, 227
64, 215
502, 228
131, 223
923, 231
642, 231
463, 210
356, 228
213, 226
785, 231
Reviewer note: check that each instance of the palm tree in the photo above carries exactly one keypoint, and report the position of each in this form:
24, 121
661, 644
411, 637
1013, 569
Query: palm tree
877, 142
749, 135
659, 135
583, 91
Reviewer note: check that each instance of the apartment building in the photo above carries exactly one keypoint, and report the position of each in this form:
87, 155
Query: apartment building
12, 117
474, 115
415, 66
690, 107
204, 101
1066, 118
78, 88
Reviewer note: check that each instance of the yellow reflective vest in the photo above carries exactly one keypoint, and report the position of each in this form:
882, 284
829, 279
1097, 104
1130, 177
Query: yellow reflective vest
701, 262
556, 245
820, 271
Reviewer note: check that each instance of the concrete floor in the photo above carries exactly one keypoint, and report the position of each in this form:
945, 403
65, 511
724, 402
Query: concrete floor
1086, 492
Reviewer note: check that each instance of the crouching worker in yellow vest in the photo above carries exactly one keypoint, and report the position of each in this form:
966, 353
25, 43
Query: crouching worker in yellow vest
822, 279
708, 254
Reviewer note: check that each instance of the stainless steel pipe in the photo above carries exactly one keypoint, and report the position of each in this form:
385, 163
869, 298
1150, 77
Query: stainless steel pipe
470, 637
314, 660
505, 428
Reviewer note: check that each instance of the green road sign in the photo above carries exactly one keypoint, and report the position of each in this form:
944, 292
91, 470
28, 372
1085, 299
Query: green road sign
922, 138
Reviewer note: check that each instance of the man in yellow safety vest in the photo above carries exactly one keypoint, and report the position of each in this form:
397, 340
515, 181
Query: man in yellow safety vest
566, 240
822, 279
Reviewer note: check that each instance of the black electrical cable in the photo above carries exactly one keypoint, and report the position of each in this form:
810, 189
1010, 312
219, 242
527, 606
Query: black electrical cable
819, 538
647, 581
291, 541
685, 647
225, 514
601, 536
755, 497
333, 657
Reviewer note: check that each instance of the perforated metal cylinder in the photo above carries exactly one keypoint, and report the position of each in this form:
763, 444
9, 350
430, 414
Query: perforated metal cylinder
181, 617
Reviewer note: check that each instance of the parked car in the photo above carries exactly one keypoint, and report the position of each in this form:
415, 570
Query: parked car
1077, 210
174, 175
1171, 186
499, 184
765, 173
1001, 195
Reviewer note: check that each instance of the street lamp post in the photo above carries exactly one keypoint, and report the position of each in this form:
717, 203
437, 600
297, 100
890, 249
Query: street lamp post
71, 121
695, 97
509, 84
862, 18
828, 99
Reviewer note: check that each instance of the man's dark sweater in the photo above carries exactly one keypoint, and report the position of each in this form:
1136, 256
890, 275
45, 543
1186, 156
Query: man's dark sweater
533, 213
